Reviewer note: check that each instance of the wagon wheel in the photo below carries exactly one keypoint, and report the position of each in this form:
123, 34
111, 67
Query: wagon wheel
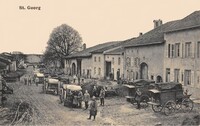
187, 105
169, 107
178, 104
156, 108
144, 101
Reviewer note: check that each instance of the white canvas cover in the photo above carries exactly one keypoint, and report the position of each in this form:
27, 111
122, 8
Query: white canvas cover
129, 86
39, 75
154, 91
72, 87
53, 81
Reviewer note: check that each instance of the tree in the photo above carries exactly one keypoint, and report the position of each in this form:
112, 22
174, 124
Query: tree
63, 41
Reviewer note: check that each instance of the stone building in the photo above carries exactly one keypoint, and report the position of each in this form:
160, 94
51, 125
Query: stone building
182, 52
82, 63
144, 55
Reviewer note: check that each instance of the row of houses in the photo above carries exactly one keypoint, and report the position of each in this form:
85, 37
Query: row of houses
168, 52
7, 63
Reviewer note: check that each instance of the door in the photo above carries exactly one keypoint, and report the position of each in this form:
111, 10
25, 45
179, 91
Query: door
73, 69
143, 71
108, 69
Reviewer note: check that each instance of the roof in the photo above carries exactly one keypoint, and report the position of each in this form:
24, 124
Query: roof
87, 52
5, 60
155, 36
114, 45
7, 56
115, 51
190, 21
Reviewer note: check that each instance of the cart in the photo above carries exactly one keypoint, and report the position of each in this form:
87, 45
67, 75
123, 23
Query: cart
52, 86
168, 97
68, 93
144, 86
40, 78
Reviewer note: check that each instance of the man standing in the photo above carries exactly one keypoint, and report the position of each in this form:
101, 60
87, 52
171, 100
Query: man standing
102, 96
138, 97
80, 99
86, 98
93, 108
94, 91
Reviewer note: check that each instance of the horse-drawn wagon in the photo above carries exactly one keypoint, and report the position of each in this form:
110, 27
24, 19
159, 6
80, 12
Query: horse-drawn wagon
169, 97
52, 86
69, 94
144, 86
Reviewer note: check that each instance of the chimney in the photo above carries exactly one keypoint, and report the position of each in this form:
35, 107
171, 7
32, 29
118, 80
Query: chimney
84, 46
140, 33
157, 23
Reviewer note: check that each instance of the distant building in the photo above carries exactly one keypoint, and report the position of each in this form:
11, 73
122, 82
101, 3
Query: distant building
12, 66
33, 58
92, 62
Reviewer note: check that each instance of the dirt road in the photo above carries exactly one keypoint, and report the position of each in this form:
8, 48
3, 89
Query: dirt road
117, 111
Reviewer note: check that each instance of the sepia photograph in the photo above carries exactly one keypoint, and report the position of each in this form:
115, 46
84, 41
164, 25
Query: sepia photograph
99, 62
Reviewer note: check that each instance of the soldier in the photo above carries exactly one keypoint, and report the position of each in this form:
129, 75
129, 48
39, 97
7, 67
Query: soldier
80, 99
138, 97
102, 96
93, 108
86, 98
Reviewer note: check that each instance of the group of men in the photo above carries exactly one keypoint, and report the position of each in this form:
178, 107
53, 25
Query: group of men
90, 102
28, 80
93, 103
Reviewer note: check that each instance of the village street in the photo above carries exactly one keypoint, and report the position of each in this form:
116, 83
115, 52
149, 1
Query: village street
117, 111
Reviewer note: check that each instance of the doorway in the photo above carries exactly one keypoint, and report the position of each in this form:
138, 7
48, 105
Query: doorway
143, 71
108, 69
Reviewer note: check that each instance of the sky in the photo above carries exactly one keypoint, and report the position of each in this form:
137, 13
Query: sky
97, 21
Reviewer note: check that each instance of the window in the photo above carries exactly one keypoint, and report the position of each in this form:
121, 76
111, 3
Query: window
187, 77
128, 61
177, 50
95, 59
176, 75
168, 75
152, 77
198, 49
99, 59
83, 72
94, 70
169, 50
99, 71
119, 61
172, 51
113, 60
187, 49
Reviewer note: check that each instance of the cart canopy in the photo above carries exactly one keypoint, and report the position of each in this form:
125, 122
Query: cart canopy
154, 91
129, 86
142, 82
53, 81
169, 86
72, 87
39, 75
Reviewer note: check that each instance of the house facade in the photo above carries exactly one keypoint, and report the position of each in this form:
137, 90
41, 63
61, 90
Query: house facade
88, 63
143, 55
114, 63
182, 52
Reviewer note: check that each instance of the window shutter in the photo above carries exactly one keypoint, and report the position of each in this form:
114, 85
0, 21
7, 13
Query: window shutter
193, 49
182, 51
